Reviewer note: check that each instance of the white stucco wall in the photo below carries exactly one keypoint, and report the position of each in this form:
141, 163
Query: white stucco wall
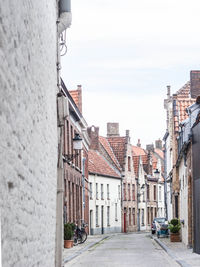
115, 223
183, 201
28, 132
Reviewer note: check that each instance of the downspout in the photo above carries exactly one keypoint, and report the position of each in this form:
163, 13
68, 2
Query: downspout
83, 196
165, 180
63, 22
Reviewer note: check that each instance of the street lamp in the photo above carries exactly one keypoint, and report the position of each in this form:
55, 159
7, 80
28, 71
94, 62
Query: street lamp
157, 174
77, 146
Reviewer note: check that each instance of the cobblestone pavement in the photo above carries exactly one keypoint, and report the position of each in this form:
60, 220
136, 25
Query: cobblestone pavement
119, 250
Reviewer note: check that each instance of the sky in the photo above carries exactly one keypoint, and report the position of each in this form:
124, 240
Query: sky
124, 54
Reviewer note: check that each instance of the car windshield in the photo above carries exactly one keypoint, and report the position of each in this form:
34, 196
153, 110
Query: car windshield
160, 220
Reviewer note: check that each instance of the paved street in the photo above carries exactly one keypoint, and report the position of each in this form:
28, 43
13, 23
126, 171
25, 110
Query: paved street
125, 250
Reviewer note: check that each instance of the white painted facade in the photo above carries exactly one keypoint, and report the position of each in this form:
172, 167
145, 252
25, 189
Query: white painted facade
28, 133
104, 205
142, 205
183, 201
160, 193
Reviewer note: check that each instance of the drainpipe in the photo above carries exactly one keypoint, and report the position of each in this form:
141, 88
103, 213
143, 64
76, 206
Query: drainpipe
83, 185
63, 22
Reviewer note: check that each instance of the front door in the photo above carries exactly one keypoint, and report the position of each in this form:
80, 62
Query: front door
91, 222
102, 219
125, 222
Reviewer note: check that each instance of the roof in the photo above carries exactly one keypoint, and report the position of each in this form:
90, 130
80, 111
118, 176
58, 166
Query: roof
118, 145
77, 97
98, 165
183, 101
137, 153
106, 145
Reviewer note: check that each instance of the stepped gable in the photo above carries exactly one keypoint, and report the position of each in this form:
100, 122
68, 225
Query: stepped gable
98, 165
106, 145
118, 145
138, 152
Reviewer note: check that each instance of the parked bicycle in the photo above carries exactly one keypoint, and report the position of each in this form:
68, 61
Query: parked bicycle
80, 235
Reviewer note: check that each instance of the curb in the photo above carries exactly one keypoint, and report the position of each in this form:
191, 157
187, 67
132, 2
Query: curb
76, 254
170, 253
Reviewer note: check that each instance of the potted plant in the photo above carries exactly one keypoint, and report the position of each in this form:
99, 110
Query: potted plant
174, 227
68, 234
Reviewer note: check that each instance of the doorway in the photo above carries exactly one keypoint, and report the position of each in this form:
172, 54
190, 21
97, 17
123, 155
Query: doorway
102, 219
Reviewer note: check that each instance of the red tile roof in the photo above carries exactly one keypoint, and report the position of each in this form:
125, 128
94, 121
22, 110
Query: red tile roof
104, 142
98, 165
77, 97
183, 101
118, 145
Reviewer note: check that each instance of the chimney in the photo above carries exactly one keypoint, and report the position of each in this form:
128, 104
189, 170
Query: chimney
150, 147
168, 91
195, 83
93, 133
138, 143
112, 129
158, 144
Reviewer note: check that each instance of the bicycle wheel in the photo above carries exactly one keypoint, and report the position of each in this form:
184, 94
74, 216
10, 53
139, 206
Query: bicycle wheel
84, 236
75, 241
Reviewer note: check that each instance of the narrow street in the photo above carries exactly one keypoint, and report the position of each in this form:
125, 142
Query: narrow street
125, 250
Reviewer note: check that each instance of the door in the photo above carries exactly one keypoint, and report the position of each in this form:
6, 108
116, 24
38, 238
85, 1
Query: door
102, 219
125, 222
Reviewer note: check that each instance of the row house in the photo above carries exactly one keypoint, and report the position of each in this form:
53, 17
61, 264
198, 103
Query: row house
76, 198
104, 186
148, 166
182, 159
122, 149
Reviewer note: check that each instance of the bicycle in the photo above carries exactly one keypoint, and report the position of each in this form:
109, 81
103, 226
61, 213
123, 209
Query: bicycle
80, 235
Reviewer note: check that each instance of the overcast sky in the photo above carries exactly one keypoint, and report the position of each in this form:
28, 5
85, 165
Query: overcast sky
124, 53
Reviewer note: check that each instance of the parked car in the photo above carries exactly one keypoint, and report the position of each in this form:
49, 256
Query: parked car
153, 225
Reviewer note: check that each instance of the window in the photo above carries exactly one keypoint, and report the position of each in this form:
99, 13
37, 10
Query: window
133, 216
154, 192
148, 192
97, 215
97, 192
116, 212
129, 164
129, 192
124, 191
119, 192
160, 193
133, 192
90, 190
102, 196
108, 192
108, 216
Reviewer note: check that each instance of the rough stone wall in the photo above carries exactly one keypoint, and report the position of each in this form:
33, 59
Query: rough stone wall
28, 132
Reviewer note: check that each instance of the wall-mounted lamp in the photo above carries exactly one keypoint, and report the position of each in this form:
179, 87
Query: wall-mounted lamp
77, 146
157, 173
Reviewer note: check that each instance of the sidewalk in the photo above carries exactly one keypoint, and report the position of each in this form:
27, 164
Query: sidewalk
179, 252
92, 240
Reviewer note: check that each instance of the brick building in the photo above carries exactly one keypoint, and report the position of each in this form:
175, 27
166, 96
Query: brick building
105, 186
76, 200
122, 149
181, 114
